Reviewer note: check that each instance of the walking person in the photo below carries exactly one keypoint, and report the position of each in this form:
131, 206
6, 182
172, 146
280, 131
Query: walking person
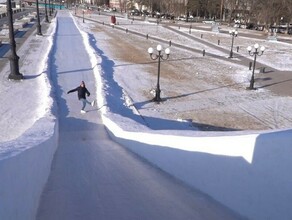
82, 92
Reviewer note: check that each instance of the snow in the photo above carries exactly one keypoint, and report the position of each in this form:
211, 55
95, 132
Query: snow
245, 170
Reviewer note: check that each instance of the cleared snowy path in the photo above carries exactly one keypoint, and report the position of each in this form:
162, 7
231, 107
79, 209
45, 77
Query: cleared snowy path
94, 178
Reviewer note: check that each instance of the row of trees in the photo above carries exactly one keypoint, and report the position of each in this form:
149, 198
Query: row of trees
255, 11
261, 11
265, 12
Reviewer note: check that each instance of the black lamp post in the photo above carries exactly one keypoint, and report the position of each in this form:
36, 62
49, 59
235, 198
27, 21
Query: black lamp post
46, 12
14, 66
50, 12
39, 28
254, 53
233, 34
52, 7
160, 57
83, 15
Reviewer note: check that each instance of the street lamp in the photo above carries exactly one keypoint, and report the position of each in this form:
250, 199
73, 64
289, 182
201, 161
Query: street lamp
255, 53
233, 34
39, 28
46, 12
83, 15
75, 7
160, 57
14, 66
52, 7
50, 12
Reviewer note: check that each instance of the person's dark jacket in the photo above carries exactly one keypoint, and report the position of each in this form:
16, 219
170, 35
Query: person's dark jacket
81, 92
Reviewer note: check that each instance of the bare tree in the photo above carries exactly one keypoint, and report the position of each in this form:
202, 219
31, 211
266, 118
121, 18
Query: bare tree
271, 12
265, 12
204, 8
130, 4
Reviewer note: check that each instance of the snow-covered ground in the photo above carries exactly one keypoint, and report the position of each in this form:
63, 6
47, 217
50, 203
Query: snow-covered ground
277, 54
246, 171
193, 94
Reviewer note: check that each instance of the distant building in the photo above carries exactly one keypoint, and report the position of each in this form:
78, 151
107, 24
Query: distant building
14, 3
115, 3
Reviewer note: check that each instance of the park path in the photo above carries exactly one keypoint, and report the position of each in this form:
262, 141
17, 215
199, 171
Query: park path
93, 177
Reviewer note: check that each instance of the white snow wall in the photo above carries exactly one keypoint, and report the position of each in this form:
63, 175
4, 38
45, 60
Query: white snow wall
259, 189
25, 166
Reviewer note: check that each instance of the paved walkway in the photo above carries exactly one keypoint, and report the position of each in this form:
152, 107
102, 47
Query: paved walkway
92, 177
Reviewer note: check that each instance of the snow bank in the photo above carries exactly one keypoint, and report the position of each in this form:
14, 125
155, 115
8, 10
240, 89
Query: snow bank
25, 162
24, 167
249, 174
254, 182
